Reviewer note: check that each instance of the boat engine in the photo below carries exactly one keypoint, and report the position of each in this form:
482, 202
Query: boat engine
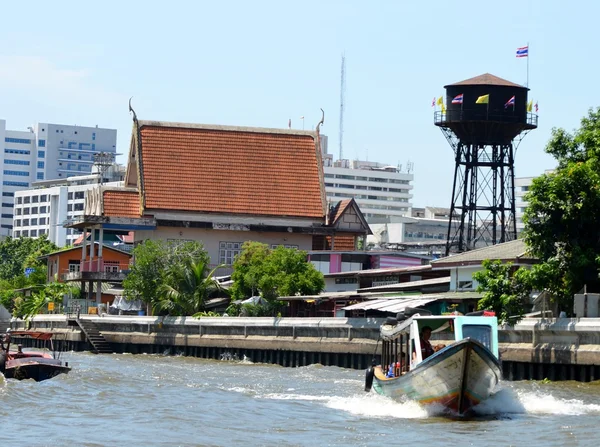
369, 378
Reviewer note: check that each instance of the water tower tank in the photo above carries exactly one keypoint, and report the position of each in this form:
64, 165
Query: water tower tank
484, 116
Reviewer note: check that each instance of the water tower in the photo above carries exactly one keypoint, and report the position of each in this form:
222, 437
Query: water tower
485, 120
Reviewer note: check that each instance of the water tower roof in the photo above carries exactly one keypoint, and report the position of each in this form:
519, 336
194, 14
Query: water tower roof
486, 79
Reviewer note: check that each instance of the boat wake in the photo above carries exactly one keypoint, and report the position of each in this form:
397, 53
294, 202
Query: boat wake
538, 402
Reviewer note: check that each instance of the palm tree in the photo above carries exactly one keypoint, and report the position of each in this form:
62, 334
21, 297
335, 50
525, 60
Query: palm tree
186, 289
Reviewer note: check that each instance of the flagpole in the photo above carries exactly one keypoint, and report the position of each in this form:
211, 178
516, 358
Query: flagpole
527, 64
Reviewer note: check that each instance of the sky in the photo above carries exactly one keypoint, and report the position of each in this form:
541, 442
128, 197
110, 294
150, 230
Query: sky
262, 63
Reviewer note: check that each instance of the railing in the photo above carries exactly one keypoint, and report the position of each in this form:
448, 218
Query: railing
97, 269
452, 116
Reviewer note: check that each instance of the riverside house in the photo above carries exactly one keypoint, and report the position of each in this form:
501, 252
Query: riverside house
222, 186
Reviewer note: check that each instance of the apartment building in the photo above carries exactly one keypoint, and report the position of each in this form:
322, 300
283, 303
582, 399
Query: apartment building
49, 204
381, 191
46, 152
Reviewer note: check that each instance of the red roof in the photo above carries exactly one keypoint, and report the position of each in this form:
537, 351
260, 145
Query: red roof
218, 169
337, 210
121, 203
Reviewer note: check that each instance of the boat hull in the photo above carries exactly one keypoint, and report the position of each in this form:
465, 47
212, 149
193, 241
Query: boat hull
458, 377
36, 368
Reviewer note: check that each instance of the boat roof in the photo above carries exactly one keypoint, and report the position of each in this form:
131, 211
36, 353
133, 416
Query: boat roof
33, 334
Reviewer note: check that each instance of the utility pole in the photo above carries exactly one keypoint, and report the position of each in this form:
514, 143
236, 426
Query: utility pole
342, 95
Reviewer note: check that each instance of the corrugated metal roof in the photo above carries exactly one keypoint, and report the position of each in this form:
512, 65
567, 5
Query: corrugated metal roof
392, 306
507, 251
382, 271
407, 285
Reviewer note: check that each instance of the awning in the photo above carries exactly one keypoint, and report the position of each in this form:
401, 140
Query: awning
391, 305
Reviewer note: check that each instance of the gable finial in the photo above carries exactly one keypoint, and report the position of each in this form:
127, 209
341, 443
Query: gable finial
132, 111
322, 120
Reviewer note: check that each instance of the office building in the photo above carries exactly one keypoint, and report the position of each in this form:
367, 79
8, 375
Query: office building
46, 152
49, 204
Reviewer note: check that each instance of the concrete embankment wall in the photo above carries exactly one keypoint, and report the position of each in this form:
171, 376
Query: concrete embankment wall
344, 342
557, 349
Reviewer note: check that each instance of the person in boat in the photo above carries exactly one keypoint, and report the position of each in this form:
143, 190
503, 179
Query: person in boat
427, 350
19, 349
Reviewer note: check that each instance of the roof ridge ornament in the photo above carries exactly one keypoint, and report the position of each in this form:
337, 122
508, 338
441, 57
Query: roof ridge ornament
132, 111
321, 122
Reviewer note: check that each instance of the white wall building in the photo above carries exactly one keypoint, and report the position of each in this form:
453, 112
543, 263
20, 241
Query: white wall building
48, 204
522, 185
382, 192
46, 152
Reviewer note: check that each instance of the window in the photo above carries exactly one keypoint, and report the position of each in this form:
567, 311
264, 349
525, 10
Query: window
7, 205
33, 233
78, 207
19, 200
17, 222
111, 266
40, 176
42, 232
27, 199
43, 209
16, 162
228, 251
481, 333
43, 198
8, 227
274, 246
34, 210
70, 207
41, 154
20, 184
26, 211
35, 199
18, 211
465, 285
74, 266
16, 151
524, 188
70, 196
42, 143
7, 216
8, 194
40, 165
42, 221
34, 222
17, 140
19, 173
17, 234
25, 222
79, 195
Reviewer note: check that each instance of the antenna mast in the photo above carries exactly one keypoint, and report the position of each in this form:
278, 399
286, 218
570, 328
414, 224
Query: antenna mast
342, 94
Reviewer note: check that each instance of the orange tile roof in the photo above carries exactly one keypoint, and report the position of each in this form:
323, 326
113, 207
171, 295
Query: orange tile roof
121, 203
337, 210
250, 171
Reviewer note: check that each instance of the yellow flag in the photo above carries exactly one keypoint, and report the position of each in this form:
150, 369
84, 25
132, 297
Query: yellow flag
440, 101
529, 105
485, 99
443, 108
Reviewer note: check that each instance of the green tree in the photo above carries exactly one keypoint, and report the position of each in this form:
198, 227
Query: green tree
274, 273
248, 269
154, 264
506, 290
16, 254
561, 220
186, 289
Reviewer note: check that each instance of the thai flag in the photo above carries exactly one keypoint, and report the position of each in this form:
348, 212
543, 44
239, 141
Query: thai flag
510, 102
458, 99
523, 51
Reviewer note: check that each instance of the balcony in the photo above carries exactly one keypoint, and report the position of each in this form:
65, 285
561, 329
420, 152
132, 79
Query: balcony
98, 270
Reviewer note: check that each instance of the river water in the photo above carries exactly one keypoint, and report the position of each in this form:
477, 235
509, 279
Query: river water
152, 400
